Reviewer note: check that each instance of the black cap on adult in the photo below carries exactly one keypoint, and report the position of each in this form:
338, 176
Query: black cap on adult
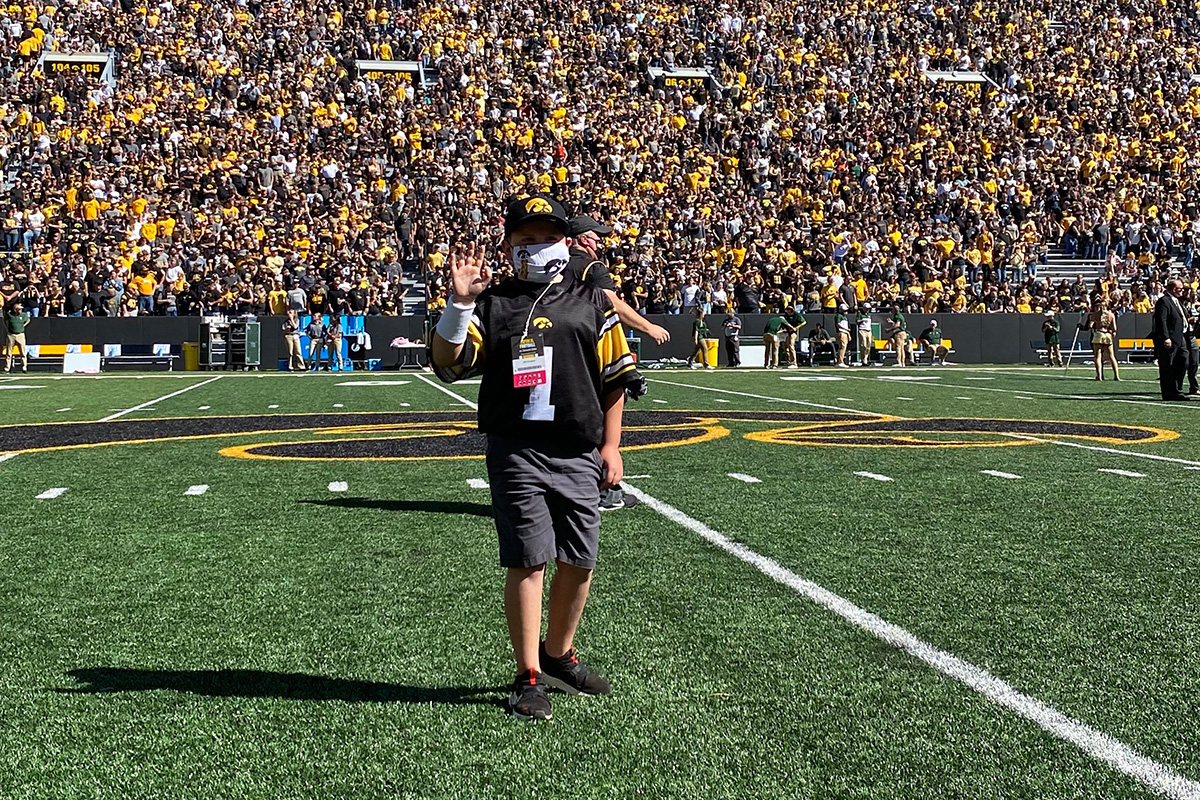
585, 224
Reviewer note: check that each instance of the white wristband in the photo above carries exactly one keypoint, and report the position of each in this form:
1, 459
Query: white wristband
452, 325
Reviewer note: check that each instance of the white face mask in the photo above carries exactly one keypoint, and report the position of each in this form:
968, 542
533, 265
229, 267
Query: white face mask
541, 263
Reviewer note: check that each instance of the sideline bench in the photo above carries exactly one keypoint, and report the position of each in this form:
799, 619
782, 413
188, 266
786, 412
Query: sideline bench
884, 350
44, 357
140, 356
1039, 347
1138, 350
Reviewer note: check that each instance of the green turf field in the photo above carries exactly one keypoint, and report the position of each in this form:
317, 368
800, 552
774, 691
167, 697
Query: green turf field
322, 619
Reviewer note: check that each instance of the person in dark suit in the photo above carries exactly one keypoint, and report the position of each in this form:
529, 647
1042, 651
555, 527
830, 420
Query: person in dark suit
1170, 341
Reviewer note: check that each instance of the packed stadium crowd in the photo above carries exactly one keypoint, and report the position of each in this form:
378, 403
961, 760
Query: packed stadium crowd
243, 163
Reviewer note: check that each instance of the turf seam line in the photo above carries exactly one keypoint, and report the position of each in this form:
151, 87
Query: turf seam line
149, 403
763, 397
1091, 741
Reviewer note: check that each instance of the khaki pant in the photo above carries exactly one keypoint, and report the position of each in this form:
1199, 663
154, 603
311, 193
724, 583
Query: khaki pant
771, 353
866, 341
843, 344
295, 354
15, 339
789, 349
335, 351
1054, 355
900, 343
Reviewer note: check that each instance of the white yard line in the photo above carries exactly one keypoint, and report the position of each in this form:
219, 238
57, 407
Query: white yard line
1025, 394
8, 456
338, 486
763, 397
1097, 449
738, 476
875, 476
1124, 473
197, 490
477, 483
1091, 741
149, 403
1057, 374
444, 390
997, 474
50, 494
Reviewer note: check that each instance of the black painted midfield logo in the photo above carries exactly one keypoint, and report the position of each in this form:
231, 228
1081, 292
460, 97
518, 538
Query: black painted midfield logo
413, 436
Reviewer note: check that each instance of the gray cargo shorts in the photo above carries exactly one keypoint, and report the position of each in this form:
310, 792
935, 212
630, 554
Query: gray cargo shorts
546, 501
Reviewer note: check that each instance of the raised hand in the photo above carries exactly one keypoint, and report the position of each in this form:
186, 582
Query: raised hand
469, 273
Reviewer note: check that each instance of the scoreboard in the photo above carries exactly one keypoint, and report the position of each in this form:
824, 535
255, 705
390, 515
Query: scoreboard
97, 66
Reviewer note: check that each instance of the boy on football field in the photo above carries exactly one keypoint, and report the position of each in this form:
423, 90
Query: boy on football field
555, 368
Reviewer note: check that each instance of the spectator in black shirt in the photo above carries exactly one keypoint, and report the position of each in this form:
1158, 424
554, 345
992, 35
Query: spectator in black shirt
76, 303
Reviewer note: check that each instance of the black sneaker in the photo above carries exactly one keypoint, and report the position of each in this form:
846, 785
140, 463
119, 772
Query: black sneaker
612, 499
569, 674
528, 700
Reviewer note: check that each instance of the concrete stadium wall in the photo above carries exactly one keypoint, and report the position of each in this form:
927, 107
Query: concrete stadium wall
977, 338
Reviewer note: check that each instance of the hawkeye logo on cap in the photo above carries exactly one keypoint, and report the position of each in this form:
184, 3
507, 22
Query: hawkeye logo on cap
542, 323
538, 205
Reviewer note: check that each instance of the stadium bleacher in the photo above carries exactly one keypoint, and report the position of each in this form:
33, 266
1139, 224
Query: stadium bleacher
743, 153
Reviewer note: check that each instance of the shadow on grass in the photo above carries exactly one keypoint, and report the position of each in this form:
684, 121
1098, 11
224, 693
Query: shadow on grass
279, 685
424, 506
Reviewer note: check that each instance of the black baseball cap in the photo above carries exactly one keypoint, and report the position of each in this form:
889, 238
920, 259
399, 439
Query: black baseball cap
585, 224
535, 208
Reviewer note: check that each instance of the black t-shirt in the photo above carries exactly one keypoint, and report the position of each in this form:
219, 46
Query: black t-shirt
585, 269
95, 279
588, 359
747, 296
75, 302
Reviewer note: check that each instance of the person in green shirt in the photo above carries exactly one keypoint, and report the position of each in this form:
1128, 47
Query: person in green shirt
794, 318
16, 318
771, 336
700, 340
898, 333
931, 339
819, 341
1050, 329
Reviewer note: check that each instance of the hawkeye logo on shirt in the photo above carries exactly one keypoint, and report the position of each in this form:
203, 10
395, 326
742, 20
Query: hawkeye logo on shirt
542, 323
